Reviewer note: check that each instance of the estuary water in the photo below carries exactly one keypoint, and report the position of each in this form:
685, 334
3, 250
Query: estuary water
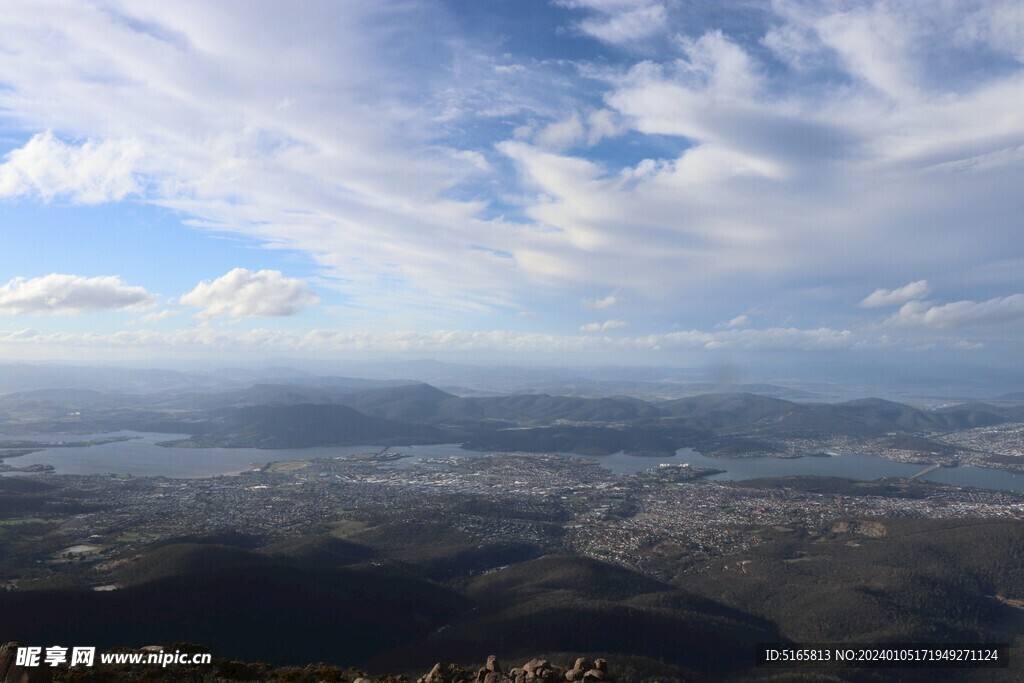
140, 456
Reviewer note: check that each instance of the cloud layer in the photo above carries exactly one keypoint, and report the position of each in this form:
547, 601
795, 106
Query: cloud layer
700, 158
499, 342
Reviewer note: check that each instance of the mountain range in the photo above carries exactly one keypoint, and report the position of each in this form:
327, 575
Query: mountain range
350, 413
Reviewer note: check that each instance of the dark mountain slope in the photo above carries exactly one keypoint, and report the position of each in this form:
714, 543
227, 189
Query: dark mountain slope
874, 417
275, 613
187, 558
319, 551
906, 580
969, 415
439, 552
303, 425
542, 407
411, 403
426, 404
577, 604
180, 559
257, 394
581, 575
717, 411
864, 417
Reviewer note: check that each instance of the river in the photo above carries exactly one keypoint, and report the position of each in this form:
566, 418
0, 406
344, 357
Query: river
142, 457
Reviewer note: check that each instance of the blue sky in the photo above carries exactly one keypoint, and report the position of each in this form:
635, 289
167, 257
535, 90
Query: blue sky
586, 180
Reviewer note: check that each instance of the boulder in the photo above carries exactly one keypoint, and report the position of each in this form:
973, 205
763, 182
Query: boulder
7, 654
535, 665
10, 672
435, 675
534, 671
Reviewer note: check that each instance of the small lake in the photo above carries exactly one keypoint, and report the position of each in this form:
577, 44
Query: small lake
142, 457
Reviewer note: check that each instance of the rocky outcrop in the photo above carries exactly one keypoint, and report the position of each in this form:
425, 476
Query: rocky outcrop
11, 672
588, 672
533, 671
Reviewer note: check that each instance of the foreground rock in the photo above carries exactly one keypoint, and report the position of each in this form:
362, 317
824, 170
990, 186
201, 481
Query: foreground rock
10, 672
229, 671
533, 671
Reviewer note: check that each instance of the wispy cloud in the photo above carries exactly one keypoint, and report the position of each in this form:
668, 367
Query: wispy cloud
892, 297
620, 21
606, 326
603, 302
960, 313
738, 321
792, 152
158, 316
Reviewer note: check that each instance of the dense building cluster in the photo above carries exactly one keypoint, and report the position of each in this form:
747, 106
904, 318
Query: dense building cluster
554, 502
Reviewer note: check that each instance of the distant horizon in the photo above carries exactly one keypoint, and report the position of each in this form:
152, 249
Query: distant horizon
799, 382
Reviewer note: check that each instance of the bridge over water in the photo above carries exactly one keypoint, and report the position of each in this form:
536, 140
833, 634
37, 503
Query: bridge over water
927, 470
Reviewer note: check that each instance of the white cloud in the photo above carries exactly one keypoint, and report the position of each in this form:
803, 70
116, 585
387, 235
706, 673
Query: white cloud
960, 313
561, 134
158, 316
791, 183
1000, 26
602, 124
70, 294
875, 43
337, 151
374, 161
605, 6
772, 338
622, 22
603, 302
603, 327
475, 159
738, 321
242, 293
573, 130
797, 46
891, 297
722, 66
90, 173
